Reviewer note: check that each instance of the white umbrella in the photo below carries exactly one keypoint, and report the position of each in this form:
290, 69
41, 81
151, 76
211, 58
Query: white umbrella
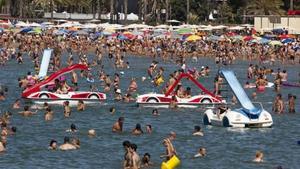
162, 27
22, 24
236, 28
34, 24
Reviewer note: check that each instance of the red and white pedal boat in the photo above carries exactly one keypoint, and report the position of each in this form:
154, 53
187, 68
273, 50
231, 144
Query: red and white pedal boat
163, 100
38, 95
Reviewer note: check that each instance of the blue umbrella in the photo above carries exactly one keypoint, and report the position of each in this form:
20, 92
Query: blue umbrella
268, 36
213, 38
26, 30
263, 41
122, 37
288, 40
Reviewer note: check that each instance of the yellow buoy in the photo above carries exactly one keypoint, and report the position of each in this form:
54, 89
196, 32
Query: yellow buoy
171, 164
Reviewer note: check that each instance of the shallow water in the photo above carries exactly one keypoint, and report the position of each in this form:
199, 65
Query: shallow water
226, 148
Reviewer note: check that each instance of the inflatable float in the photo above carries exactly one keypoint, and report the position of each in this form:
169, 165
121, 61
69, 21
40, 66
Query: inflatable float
171, 164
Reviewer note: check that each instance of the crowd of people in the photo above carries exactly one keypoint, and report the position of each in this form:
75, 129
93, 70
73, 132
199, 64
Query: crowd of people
17, 47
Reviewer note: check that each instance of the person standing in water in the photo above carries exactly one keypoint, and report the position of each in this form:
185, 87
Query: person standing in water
67, 109
127, 156
136, 161
48, 114
278, 105
291, 103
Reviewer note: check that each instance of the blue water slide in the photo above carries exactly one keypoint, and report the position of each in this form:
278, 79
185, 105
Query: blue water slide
45, 63
239, 92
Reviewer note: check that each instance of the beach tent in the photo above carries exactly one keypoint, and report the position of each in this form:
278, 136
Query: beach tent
132, 17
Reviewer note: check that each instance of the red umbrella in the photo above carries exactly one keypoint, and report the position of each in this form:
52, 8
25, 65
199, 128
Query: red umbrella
247, 38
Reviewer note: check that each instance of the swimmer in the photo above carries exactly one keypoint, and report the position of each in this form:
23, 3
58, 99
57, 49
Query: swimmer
146, 160
118, 126
80, 105
201, 152
67, 145
155, 112
259, 157
16, 104
92, 133
149, 128
197, 131
112, 110
2, 147
2, 96
53, 145
72, 129
173, 103
12, 130
27, 112
137, 130
76, 142
247, 85
118, 94
254, 95
48, 114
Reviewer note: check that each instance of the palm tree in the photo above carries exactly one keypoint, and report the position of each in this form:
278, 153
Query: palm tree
99, 9
187, 10
52, 4
265, 7
111, 10
125, 10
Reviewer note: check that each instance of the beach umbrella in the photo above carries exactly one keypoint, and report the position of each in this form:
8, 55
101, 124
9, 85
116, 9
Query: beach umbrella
269, 36
213, 38
288, 40
129, 35
26, 30
253, 41
237, 37
275, 43
60, 32
263, 41
80, 32
185, 30
285, 36
193, 38
247, 38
